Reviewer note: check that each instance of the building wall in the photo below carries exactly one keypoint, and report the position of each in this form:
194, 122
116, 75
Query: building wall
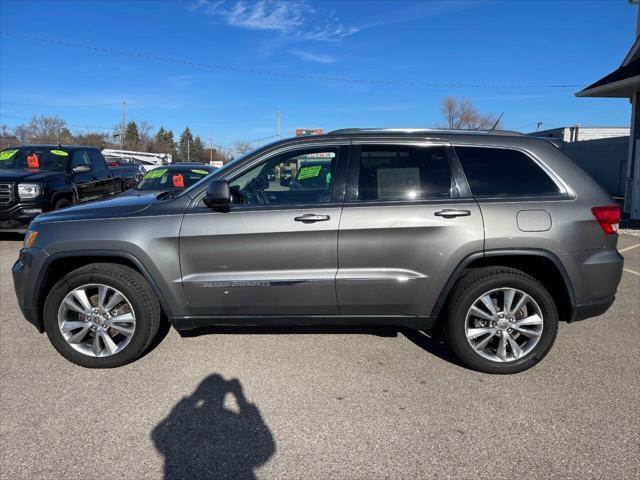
605, 159
584, 133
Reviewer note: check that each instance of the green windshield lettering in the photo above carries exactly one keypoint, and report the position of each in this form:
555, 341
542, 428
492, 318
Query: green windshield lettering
200, 172
7, 154
309, 172
156, 173
62, 153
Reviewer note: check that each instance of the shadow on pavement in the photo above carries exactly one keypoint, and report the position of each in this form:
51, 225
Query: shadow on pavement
431, 342
202, 438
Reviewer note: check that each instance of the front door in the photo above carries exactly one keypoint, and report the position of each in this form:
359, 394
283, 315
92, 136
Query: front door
85, 183
276, 251
406, 225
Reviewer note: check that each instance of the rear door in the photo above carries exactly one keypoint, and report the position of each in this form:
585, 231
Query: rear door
407, 222
276, 251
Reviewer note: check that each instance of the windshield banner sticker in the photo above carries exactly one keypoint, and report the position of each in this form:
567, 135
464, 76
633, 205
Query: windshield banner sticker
201, 172
62, 153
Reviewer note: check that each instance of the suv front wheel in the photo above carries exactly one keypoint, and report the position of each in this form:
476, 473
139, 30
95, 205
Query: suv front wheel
101, 315
501, 320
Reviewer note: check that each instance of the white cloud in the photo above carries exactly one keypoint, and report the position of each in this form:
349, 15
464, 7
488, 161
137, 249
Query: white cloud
314, 57
295, 18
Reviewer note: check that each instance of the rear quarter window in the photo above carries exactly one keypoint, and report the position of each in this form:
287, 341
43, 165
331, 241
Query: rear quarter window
503, 172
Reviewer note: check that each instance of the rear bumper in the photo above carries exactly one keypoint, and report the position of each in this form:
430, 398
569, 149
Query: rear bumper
593, 309
595, 276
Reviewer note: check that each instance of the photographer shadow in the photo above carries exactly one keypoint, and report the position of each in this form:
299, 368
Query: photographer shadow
202, 438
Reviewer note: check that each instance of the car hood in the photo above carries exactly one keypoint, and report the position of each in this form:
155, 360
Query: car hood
115, 207
132, 192
25, 175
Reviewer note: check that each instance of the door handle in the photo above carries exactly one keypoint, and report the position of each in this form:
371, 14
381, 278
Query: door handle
312, 218
451, 213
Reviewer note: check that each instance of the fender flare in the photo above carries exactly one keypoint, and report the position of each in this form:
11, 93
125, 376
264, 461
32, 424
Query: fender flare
533, 252
106, 254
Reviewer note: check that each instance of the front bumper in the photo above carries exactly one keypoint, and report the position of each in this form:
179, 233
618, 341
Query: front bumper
16, 218
27, 281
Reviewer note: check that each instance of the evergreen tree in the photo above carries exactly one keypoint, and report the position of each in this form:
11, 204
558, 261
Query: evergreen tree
184, 145
131, 137
163, 142
198, 151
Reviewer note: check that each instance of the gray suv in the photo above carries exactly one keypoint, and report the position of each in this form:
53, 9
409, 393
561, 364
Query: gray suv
494, 236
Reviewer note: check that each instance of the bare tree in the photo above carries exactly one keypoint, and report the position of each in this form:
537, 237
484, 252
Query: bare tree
41, 129
242, 147
463, 114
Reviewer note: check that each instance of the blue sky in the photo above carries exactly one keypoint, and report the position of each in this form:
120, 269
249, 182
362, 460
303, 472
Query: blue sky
256, 58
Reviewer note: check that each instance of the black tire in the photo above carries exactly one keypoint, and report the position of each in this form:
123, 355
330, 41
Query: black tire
136, 290
469, 289
62, 203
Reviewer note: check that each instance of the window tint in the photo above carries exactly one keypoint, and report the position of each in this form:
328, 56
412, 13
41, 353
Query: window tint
397, 172
34, 159
296, 177
97, 162
500, 172
80, 157
171, 179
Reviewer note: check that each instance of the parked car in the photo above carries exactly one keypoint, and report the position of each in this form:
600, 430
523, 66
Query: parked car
495, 236
39, 178
170, 178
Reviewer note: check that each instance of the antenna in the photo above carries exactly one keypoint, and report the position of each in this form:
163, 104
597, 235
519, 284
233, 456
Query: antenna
497, 122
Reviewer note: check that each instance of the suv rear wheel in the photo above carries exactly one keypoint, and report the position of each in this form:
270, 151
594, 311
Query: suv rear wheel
101, 315
501, 320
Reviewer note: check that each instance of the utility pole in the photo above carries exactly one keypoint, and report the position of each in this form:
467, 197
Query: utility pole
278, 124
210, 146
122, 127
188, 148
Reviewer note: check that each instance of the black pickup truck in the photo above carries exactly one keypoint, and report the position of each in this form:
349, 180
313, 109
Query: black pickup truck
39, 178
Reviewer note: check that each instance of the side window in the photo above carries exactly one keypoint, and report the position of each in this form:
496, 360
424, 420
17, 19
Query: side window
296, 177
501, 172
97, 161
397, 172
80, 157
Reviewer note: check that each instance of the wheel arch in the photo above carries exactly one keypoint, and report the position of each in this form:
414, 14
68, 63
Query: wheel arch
540, 264
57, 265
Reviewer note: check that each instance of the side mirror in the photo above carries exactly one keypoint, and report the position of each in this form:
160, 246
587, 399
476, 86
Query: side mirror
81, 169
218, 195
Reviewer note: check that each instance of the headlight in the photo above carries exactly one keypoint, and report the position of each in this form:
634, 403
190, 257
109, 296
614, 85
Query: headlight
29, 190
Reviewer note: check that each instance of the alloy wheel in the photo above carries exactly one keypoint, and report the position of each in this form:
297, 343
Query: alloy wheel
504, 324
96, 320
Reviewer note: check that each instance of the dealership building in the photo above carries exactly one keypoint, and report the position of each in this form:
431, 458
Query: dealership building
624, 82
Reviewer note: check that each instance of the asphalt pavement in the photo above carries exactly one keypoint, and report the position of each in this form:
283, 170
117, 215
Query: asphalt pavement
311, 403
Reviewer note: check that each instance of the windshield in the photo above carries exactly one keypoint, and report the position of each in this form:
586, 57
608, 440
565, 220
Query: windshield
36, 158
171, 179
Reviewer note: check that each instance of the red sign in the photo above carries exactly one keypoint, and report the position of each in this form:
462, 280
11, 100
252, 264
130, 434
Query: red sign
178, 181
32, 161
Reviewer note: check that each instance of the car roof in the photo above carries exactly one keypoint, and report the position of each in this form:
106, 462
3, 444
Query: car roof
50, 146
187, 166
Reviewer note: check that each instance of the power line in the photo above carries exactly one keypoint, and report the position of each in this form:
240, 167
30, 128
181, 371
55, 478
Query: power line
96, 105
272, 73
88, 127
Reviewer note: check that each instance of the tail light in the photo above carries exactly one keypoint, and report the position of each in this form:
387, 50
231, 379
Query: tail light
608, 217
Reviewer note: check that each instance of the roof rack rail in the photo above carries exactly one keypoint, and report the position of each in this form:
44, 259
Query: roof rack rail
350, 131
